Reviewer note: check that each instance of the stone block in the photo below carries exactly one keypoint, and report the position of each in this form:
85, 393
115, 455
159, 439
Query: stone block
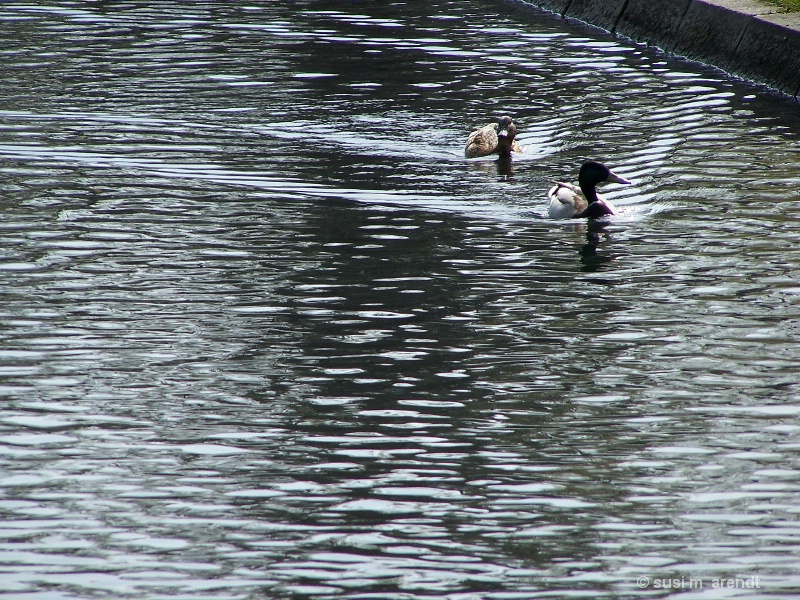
709, 33
642, 22
604, 14
769, 51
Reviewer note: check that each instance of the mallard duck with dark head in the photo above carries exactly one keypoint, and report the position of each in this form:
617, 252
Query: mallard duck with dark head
582, 201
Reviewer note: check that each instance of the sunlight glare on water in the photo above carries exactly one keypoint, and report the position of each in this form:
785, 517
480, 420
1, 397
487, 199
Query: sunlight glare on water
267, 334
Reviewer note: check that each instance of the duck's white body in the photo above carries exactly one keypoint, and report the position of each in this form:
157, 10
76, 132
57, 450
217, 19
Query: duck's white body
567, 200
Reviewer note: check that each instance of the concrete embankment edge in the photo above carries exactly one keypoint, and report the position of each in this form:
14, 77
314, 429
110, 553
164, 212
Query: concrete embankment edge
743, 37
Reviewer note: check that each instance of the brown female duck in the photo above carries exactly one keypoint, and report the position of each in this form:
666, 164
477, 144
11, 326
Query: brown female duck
494, 138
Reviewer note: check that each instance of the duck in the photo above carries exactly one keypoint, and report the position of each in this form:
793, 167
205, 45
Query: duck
580, 201
494, 138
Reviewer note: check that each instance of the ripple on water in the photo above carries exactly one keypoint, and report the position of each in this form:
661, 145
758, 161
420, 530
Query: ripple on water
266, 332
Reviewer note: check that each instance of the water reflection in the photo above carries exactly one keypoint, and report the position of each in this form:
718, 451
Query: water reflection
505, 167
502, 167
596, 231
265, 332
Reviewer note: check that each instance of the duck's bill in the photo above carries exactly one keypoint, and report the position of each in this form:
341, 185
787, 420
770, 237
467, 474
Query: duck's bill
502, 133
614, 178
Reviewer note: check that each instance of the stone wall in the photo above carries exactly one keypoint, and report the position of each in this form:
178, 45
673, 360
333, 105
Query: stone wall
743, 37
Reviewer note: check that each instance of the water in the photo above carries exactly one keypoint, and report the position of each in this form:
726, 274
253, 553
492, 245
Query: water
266, 334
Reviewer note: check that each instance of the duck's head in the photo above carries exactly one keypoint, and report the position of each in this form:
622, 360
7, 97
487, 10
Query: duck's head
591, 174
506, 132
506, 128
595, 172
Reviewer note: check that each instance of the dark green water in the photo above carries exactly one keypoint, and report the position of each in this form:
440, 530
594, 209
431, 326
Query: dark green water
266, 334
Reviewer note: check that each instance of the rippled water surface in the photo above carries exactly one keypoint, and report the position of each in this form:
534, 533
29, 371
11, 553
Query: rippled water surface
265, 333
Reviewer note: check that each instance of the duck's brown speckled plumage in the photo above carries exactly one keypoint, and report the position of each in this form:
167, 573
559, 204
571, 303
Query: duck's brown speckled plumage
494, 138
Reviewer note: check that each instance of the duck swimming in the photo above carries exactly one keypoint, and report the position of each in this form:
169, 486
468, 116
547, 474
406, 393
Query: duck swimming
582, 200
494, 138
